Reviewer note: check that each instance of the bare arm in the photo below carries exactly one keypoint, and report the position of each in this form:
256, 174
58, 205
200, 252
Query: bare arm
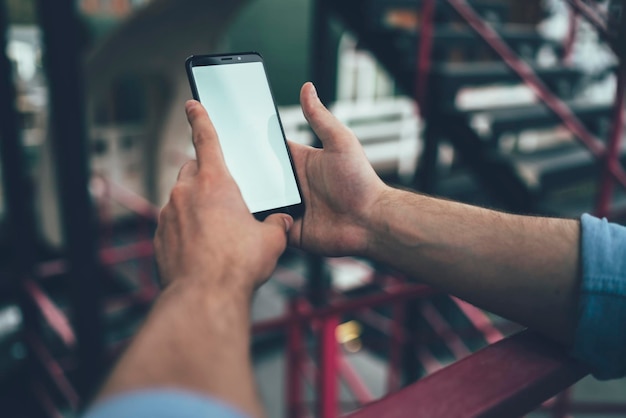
523, 268
211, 254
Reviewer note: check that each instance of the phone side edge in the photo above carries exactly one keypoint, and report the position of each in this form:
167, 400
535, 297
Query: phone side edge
192, 81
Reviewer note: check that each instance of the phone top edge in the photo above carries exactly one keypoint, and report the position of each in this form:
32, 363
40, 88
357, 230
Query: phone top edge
223, 58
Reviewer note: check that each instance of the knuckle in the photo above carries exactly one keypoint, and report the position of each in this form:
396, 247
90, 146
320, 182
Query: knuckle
178, 194
163, 215
200, 137
204, 178
188, 165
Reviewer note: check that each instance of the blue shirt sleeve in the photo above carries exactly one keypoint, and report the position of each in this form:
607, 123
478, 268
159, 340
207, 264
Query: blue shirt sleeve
600, 338
162, 403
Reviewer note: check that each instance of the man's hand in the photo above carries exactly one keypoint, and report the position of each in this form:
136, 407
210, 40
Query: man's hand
206, 233
339, 185
212, 253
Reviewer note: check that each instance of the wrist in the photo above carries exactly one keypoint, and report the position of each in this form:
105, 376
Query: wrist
229, 287
387, 226
375, 222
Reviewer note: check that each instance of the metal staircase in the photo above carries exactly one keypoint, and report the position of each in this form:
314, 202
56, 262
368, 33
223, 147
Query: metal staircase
457, 59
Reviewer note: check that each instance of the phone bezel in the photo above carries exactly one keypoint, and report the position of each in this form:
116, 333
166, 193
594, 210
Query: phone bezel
296, 210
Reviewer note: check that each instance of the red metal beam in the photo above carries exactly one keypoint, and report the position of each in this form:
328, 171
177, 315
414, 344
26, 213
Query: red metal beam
395, 294
612, 155
568, 46
108, 256
129, 252
397, 340
509, 378
592, 16
327, 383
131, 200
51, 313
480, 320
441, 327
424, 52
295, 353
54, 370
356, 385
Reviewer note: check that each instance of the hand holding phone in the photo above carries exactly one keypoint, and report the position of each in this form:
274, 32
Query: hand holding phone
235, 92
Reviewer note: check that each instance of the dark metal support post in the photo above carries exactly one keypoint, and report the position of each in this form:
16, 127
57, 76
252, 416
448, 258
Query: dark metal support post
323, 52
63, 63
17, 187
18, 198
426, 175
323, 75
19, 218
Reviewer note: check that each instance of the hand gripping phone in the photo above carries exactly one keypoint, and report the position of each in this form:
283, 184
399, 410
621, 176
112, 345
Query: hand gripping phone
235, 91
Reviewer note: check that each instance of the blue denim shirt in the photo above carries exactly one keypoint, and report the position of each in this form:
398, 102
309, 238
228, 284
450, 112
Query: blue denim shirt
162, 403
601, 335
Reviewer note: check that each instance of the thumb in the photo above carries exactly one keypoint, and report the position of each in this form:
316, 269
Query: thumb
333, 134
278, 225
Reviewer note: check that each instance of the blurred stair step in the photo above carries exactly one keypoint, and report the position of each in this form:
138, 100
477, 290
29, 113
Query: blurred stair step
494, 123
558, 169
448, 79
460, 43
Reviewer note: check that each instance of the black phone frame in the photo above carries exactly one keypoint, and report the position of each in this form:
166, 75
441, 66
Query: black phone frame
296, 210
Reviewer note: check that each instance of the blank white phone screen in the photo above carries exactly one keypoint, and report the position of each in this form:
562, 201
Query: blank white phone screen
239, 102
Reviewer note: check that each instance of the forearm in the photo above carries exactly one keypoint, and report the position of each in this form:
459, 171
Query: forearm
522, 268
195, 339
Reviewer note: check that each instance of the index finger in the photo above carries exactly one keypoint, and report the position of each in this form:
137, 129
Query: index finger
205, 140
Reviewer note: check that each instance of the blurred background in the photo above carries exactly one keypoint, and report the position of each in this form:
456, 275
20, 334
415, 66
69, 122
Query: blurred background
93, 134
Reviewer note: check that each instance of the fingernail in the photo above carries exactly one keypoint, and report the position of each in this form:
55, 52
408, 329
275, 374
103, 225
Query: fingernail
189, 105
313, 91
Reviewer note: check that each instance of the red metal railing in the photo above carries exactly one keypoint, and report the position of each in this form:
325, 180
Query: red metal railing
506, 379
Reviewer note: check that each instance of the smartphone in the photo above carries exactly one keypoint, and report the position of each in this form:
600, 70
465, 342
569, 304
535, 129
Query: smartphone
235, 91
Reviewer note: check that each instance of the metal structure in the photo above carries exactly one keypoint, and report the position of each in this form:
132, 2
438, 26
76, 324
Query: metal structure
536, 369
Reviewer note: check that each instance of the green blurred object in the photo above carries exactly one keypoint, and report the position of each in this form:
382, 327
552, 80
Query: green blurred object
21, 11
99, 26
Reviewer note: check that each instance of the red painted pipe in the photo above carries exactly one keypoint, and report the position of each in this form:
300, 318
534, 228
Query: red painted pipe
397, 341
132, 201
54, 370
51, 313
592, 16
108, 256
354, 382
613, 148
480, 321
568, 47
295, 349
395, 294
506, 379
327, 385
424, 53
